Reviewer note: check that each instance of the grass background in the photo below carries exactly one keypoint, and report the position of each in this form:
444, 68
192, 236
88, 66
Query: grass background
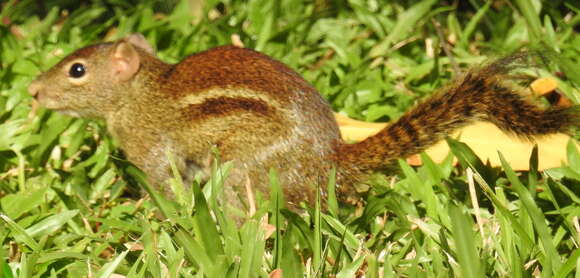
68, 206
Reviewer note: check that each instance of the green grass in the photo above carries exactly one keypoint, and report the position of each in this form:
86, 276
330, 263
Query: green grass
69, 205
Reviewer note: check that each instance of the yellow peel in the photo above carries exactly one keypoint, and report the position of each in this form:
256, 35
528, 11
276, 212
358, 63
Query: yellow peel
484, 138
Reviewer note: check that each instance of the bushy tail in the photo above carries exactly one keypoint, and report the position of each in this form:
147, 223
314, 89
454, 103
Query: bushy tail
482, 94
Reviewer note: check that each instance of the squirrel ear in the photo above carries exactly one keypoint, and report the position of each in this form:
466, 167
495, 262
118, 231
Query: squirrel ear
125, 61
139, 40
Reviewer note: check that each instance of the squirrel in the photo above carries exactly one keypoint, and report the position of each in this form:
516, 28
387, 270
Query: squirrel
260, 114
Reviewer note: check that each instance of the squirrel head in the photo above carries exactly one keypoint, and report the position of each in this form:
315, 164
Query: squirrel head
93, 80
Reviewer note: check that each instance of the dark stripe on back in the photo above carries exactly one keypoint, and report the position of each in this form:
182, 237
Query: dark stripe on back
221, 106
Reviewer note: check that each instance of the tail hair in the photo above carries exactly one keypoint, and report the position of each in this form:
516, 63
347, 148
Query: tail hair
489, 93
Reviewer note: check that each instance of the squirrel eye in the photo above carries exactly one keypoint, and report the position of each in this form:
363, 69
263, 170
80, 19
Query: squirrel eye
77, 70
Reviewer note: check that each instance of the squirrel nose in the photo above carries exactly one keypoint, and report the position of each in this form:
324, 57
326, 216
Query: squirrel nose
34, 88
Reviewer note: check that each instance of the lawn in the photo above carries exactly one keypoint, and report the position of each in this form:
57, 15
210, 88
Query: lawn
72, 206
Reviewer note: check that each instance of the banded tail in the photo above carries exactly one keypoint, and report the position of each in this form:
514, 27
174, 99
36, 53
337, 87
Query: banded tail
481, 94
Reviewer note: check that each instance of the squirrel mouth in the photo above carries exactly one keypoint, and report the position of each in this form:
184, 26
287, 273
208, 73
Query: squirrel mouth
53, 104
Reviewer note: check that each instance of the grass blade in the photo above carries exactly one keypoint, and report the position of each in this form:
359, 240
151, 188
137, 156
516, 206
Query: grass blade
252, 251
471, 26
51, 223
317, 248
552, 259
332, 203
527, 9
568, 267
20, 234
277, 201
406, 21
204, 227
464, 243
351, 269
110, 267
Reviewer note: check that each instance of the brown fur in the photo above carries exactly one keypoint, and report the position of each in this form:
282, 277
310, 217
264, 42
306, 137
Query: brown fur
261, 115
220, 106
230, 66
